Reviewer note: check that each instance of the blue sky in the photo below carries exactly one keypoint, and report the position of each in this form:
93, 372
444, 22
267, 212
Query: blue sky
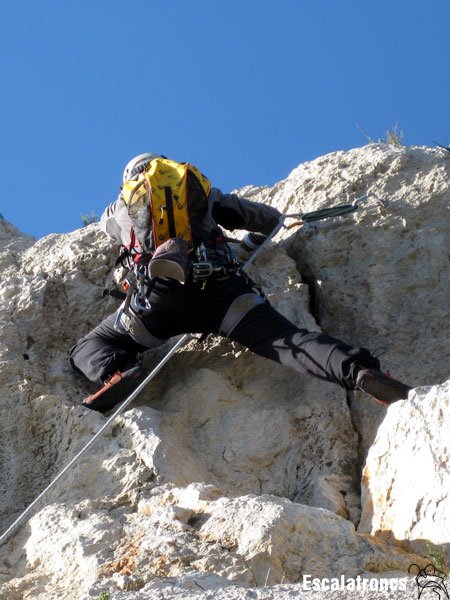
244, 89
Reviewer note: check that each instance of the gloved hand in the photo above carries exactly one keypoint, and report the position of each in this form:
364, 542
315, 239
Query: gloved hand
249, 243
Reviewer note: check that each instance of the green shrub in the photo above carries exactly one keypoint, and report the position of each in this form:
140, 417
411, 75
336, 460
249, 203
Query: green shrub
88, 219
437, 555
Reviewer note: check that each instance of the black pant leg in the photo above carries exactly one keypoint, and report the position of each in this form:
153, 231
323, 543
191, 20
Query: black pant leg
267, 333
103, 351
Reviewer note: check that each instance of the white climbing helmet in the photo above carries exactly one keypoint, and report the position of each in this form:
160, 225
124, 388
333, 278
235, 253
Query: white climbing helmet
137, 165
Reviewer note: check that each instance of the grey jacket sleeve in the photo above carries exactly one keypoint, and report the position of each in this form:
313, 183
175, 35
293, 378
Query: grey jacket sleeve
233, 212
116, 223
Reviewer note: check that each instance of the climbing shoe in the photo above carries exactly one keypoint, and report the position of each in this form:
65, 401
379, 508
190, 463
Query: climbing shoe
116, 389
383, 388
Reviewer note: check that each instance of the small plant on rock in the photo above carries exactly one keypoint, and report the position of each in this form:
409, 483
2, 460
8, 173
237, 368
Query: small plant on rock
437, 555
92, 217
394, 137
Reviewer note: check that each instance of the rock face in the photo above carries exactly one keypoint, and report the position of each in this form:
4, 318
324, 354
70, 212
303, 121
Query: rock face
228, 469
411, 452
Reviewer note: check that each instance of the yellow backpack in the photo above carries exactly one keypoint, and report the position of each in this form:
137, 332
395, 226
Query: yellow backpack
168, 200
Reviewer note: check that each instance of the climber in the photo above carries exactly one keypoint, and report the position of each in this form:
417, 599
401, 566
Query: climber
194, 285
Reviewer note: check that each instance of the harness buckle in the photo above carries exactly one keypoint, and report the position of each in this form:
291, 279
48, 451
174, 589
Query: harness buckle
202, 270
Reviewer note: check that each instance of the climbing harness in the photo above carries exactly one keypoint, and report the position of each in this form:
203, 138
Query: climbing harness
183, 340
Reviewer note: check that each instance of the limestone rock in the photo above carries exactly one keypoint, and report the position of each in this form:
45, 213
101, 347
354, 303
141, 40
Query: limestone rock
12, 243
50, 296
406, 479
